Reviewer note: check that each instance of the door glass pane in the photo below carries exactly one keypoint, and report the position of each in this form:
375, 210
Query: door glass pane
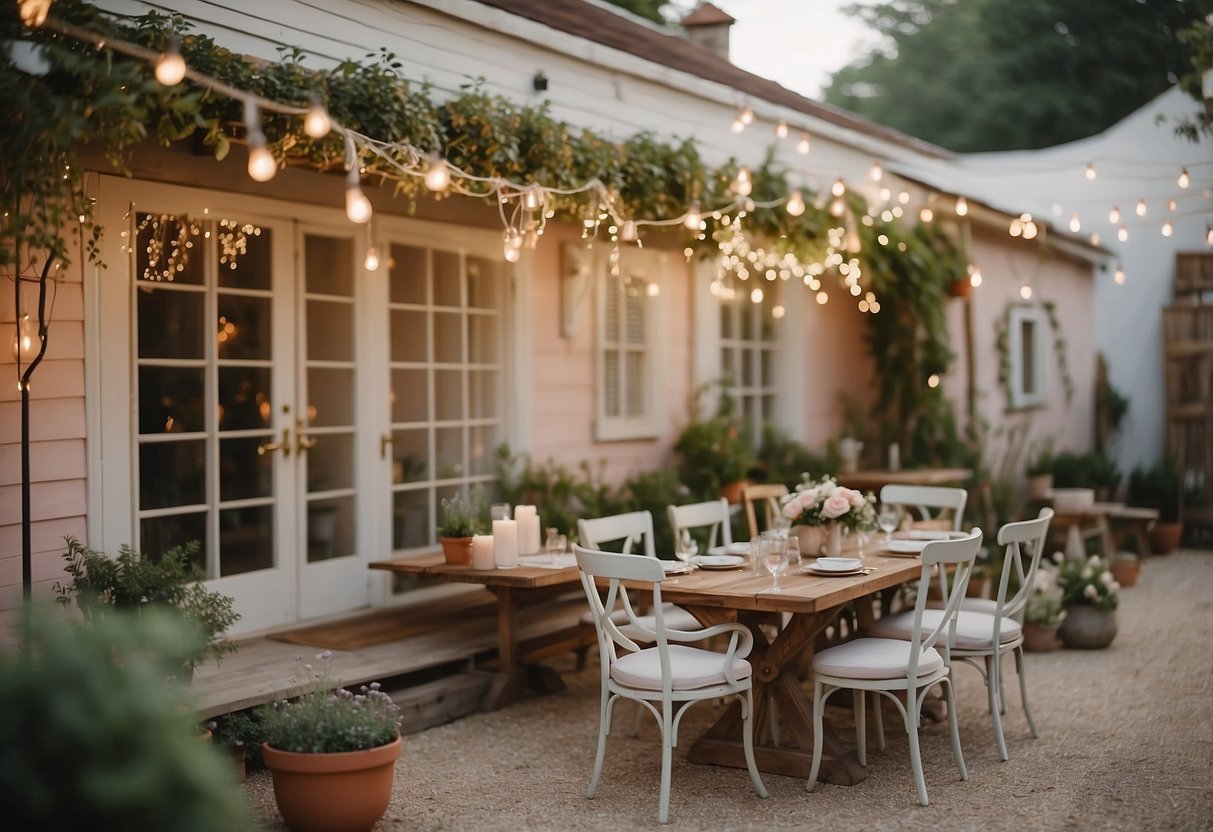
409, 396
448, 395
407, 280
252, 263
159, 534
330, 528
410, 335
484, 346
483, 394
246, 539
330, 330
448, 279
330, 462
171, 399
448, 338
168, 250
170, 323
484, 283
244, 398
482, 449
244, 473
329, 265
172, 474
449, 449
243, 327
410, 455
330, 395
411, 519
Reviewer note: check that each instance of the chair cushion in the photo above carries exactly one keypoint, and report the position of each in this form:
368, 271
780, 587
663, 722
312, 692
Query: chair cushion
874, 658
676, 618
974, 630
986, 605
690, 669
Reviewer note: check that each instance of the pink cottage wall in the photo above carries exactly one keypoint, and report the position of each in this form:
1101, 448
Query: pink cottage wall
57, 445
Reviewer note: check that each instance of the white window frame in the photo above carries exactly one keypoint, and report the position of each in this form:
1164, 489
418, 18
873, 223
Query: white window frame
650, 266
1020, 397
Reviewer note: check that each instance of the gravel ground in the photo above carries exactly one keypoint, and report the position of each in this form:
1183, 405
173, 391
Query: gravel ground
1126, 742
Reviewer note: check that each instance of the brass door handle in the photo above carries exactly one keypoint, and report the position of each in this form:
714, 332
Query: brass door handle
385, 439
284, 445
305, 442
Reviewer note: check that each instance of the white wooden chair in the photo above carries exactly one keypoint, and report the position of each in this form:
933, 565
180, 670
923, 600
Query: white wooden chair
928, 502
668, 677
766, 495
631, 530
887, 665
987, 629
712, 515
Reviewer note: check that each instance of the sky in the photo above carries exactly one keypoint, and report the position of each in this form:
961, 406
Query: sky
797, 43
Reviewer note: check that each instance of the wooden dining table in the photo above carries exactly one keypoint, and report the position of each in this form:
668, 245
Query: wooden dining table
875, 479
811, 603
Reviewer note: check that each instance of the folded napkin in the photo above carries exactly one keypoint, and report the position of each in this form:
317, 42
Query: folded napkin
545, 561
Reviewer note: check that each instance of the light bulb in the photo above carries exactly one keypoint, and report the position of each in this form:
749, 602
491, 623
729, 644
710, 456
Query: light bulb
1122, 234
1209, 236
933, 382
653, 290
33, 12
627, 233
1184, 180
974, 276
1119, 277
438, 177
261, 163
372, 259
742, 184
802, 146
795, 205
838, 188
23, 340
1090, 170
1171, 206
837, 207
1025, 292
1094, 238
747, 116
1141, 208
903, 197
1016, 227
781, 130
822, 297
962, 206
885, 194
738, 125
317, 123
1075, 223
533, 198
357, 206
756, 296
1114, 215
1167, 230
692, 219
926, 215
876, 172
1029, 230
170, 66
512, 247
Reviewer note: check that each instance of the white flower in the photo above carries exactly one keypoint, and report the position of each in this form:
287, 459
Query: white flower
1090, 591
1058, 557
1093, 560
1087, 573
1113, 587
1106, 578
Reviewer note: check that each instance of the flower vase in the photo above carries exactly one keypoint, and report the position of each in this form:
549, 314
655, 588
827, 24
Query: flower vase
1087, 628
812, 540
833, 540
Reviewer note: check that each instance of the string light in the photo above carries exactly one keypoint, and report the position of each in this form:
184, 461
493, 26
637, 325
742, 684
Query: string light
317, 123
627, 234
170, 66
1184, 180
23, 340
781, 129
372, 259
1094, 238
512, 247
778, 311
438, 177
1114, 215
692, 220
1025, 292
795, 205
1075, 223
876, 173
1016, 228
738, 125
1141, 208
1209, 236
1171, 206
743, 182
357, 206
974, 276
933, 382
746, 116
802, 146
1167, 230
837, 207
904, 197
1090, 170
261, 163
1119, 277
1029, 227
838, 188
962, 206
1122, 234
926, 214
756, 295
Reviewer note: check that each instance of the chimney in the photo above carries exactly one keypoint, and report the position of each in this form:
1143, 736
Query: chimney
708, 27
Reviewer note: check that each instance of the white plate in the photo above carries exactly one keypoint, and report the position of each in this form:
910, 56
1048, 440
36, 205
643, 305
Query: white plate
837, 564
905, 547
674, 567
742, 549
718, 561
831, 573
928, 534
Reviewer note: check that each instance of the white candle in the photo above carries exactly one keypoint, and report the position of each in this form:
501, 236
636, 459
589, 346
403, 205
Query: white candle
505, 543
482, 552
528, 530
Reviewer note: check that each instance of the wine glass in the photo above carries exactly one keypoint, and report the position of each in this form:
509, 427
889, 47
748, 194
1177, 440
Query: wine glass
756, 555
687, 546
775, 558
794, 560
888, 517
555, 544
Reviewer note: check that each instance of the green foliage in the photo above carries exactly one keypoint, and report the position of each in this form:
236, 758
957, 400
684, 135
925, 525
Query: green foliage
93, 738
1087, 583
461, 514
715, 450
653, 491
324, 721
561, 496
101, 585
1044, 606
1159, 487
1197, 38
990, 75
1093, 470
1041, 460
782, 459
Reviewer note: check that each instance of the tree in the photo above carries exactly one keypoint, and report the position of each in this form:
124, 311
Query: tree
978, 75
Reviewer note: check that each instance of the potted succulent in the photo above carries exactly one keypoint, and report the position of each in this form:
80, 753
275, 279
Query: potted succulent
1159, 487
332, 754
1043, 613
1090, 596
100, 584
460, 521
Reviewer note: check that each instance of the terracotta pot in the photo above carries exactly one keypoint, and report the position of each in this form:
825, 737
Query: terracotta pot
1040, 486
340, 792
731, 491
1125, 570
1164, 537
1087, 628
457, 550
1040, 638
961, 288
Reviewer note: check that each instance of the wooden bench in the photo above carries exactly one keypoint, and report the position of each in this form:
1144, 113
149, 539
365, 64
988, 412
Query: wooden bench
1139, 522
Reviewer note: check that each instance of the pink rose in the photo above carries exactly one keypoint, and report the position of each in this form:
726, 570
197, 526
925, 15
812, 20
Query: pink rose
855, 497
835, 506
792, 508
808, 497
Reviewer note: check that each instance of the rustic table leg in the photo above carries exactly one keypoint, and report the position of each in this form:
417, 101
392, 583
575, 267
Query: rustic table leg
510, 680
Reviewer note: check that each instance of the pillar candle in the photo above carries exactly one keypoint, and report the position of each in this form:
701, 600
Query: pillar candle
505, 543
482, 552
528, 530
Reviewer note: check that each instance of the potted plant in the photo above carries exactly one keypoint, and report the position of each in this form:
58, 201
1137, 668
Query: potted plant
332, 754
101, 584
1159, 487
460, 520
716, 454
1125, 568
1043, 613
821, 510
1090, 596
1040, 473
235, 734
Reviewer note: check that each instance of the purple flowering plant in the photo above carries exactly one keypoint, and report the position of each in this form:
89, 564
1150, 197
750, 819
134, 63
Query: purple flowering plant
324, 720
